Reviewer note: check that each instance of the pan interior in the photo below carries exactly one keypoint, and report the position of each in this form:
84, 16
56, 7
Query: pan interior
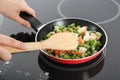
64, 22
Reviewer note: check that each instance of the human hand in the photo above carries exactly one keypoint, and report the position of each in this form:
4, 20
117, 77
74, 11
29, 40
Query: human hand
12, 9
5, 40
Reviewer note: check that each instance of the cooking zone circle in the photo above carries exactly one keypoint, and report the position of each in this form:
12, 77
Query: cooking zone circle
90, 10
78, 67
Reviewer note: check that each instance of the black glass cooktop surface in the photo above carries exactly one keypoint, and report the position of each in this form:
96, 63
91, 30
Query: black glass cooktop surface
35, 66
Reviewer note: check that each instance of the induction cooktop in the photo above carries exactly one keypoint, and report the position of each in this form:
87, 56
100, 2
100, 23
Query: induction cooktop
34, 65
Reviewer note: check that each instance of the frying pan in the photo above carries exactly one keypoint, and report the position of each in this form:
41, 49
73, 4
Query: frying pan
44, 29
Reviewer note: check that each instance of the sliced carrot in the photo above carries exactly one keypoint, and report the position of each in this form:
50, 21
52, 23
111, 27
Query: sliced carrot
59, 52
78, 52
80, 40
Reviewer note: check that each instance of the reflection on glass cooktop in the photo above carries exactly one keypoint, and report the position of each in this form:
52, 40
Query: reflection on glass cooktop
66, 72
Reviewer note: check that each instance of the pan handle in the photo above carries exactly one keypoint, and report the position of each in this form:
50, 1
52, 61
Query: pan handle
33, 21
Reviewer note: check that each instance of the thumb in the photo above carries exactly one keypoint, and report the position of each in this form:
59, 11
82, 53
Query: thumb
4, 54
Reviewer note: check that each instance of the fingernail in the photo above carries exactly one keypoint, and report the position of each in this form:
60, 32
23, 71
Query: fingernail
6, 56
28, 25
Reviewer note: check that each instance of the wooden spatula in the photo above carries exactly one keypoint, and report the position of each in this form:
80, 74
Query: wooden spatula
58, 41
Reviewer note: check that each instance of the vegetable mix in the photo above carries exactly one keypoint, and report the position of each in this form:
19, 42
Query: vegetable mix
89, 42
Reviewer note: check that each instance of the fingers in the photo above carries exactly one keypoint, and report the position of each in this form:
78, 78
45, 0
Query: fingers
5, 40
4, 54
30, 11
22, 21
13, 10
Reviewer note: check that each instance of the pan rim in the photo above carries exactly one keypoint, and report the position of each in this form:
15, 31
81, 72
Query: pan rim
106, 36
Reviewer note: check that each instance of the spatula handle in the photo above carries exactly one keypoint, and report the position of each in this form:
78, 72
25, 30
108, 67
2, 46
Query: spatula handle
31, 46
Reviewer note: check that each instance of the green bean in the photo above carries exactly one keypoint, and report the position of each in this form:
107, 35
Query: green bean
65, 56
